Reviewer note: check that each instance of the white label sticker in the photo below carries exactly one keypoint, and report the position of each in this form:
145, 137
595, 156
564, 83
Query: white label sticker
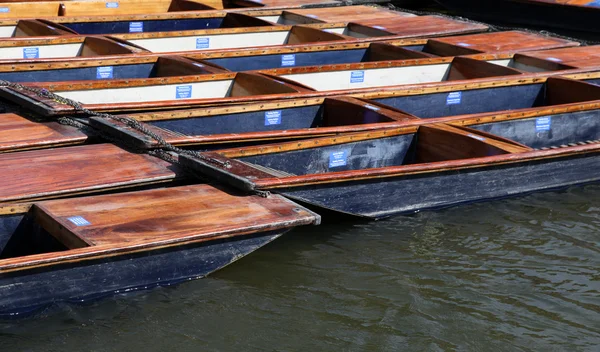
272, 117
202, 43
476, 137
357, 76
454, 98
543, 124
79, 220
136, 27
104, 72
337, 159
288, 60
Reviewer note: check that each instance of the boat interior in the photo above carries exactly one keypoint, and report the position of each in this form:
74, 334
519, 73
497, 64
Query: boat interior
63, 47
228, 39
388, 74
138, 68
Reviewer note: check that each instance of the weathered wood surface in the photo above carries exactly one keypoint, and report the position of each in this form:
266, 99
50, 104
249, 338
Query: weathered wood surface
187, 212
582, 57
50, 173
510, 41
19, 133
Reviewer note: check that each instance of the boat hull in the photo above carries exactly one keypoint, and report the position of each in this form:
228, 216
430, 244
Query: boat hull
380, 198
26, 292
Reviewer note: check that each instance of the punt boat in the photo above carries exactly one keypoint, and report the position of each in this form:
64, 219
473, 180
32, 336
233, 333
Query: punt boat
67, 250
209, 128
126, 7
406, 169
147, 66
228, 38
63, 47
585, 56
138, 67
316, 54
373, 79
195, 20
572, 15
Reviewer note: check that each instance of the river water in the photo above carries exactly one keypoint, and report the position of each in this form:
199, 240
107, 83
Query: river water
512, 275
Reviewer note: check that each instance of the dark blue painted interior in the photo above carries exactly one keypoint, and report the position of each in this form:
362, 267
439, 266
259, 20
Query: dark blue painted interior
361, 155
471, 101
79, 74
20, 235
261, 62
547, 131
273, 120
148, 26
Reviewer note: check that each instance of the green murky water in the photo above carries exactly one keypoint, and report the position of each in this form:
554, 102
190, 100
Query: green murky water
512, 275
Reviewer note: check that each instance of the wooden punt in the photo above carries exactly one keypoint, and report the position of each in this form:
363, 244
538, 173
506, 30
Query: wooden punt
582, 57
402, 170
62, 47
69, 250
317, 54
139, 67
196, 20
152, 66
232, 38
376, 79
157, 93
209, 128
573, 15
127, 7
277, 121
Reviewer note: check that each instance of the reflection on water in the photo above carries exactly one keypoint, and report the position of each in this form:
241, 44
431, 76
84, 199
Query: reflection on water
520, 274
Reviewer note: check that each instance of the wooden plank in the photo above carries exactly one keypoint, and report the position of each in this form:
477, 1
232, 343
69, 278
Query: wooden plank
500, 42
197, 211
350, 13
581, 57
73, 170
20, 133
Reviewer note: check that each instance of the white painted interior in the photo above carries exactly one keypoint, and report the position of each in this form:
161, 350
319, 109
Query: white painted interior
7, 31
200, 90
222, 41
517, 65
46, 51
380, 77
347, 31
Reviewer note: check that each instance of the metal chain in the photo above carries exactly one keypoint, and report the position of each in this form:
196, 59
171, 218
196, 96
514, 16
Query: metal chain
136, 125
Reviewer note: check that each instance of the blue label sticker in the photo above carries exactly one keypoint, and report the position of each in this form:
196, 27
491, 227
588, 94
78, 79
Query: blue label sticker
337, 159
272, 117
183, 92
112, 5
454, 98
543, 124
595, 3
79, 220
288, 60
136, 27
4, 9
202, 43
31, 53
104, 72
357, 76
